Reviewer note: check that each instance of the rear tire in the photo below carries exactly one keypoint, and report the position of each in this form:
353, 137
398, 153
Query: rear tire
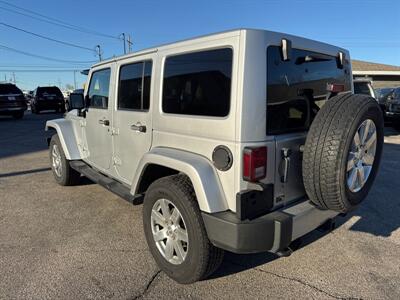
63, 173
201, 258
338, 170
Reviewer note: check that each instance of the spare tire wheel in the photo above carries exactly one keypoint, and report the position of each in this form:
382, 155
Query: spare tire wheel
343, 151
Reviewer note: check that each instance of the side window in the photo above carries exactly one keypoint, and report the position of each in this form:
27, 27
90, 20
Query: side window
134, 86
198, 83
99, 89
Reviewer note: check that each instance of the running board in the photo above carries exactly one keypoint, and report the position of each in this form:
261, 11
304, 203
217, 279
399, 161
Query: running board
110, 184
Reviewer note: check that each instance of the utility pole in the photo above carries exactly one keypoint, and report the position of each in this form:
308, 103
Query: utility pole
129, 43
98, 50
75, 79
15, 81
124, 40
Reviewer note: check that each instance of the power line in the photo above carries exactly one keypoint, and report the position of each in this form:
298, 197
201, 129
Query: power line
58, 23
47, 38
44, 57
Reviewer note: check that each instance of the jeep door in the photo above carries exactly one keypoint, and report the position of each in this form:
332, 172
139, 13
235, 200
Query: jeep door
97, 126
132, 117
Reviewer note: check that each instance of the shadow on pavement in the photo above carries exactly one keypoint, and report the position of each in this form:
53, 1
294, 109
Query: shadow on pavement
380, 213
24, 136
12, 174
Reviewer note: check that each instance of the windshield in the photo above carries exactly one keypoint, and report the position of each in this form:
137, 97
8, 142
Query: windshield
7, 89
362, 88
49, 91
297, 88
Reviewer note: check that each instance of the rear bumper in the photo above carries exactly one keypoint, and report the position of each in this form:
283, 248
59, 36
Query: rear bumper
43, 105
11, 110
271, 232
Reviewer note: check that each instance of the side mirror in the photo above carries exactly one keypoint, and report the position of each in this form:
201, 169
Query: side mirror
76, 101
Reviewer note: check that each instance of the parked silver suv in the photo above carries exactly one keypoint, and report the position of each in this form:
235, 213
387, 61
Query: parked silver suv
242, 141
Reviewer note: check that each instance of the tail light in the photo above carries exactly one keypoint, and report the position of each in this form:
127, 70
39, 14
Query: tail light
254, 163
335, 88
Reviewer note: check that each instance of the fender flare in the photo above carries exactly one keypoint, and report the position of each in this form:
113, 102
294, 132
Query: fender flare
202, 174
66, 134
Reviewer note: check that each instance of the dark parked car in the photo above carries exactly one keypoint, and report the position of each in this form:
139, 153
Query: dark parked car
392, 106
47, 98
12, 101
382, 95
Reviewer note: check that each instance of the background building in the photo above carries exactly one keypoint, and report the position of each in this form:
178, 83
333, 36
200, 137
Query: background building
380, 74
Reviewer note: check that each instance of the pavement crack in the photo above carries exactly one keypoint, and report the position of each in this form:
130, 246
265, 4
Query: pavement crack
148, 285
298, 281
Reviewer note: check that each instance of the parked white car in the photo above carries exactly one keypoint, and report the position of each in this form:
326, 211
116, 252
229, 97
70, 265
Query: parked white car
242, 141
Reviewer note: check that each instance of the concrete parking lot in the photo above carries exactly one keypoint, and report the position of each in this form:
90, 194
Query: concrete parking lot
84, 242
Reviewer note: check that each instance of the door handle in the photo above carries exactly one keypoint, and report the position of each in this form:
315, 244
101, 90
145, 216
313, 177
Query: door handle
138, 127
104, 122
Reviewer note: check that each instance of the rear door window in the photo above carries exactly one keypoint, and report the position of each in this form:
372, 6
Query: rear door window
51, 91
9, 89
134, 86
198, 83
296, 89
99, 89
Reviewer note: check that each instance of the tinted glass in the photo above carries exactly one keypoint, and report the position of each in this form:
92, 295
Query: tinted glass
296, 89
130, 86
146, 84
134, 86
49, 91
99, 89
361, 88
198, 83
7, 89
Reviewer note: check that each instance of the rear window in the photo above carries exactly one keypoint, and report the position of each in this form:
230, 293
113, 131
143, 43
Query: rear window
296, 89
49, 91
361, 88
7, 89
198, 83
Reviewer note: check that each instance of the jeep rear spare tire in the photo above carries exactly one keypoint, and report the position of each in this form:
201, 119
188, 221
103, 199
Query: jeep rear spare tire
343, 151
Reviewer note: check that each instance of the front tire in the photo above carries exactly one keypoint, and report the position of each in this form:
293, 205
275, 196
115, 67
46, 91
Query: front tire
63, 173
175, 232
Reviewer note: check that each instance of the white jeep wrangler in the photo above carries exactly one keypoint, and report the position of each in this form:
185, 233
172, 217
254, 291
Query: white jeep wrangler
242, 141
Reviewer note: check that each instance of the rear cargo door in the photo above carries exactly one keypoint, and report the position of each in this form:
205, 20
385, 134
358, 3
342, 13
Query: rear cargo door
288, 173
296, 90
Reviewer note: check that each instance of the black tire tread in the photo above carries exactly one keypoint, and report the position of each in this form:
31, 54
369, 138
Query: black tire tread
211, 257
70, 176
324, 148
